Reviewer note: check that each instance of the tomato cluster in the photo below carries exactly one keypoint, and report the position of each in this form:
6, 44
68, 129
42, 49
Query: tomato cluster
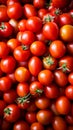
36, 65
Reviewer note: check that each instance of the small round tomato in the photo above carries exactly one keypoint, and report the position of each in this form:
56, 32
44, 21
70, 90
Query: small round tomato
21, 125
57, 49
34, 24
29, 10
49, 29
40, 36
12, 77
12, 113
69, 119
32, 107
22, 25
70, 78
10, 96
63, 105
4, 50
5, 83
42, 12
33, 64
2, 106
69, 92
27, 37
70, 48
8, 64
42, 102
66, 33
6, 125
60, 3
44, 116
19, 36
37, 126
22, 74
15, 10
59, 123
22, 89
3, 13
21, 53
36, 88
39, 4
45, 77
36, 46
30, 117
14, 24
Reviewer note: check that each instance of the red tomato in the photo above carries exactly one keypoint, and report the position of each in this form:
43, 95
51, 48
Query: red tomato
70, 78
33, 64
37, 126
40, 36
3, 13
42, 12
12, 77
2, 106
45, 77
69, 119
29, 10
69, 92
22, 25
39, 4
12, 113
30, 117
60, 3
6, 125
70, 48
49, 29
14, 24
32, 107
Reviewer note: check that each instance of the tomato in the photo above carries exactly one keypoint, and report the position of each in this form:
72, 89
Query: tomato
19, 36
6, 125
34, 24
51, 91
21, 53
59, 123
6, 29
44, 116
57, 49
12, 113
22, 89
42, 102
3, 13
10, 2
32, 107
10, 96
37, 126
60, 78
33, 64
63, 105
49, 29
2, 106
66, 33
45, 77
12, 77
66, 64
53, 108
22, 25
60, 3
4, 50
40, 36
5, 83
36, 88
69, 119
29, 10
22, 74
36, 46
21, 125
30, 117
14, 24
70, 127
70, 78
39, 4
69, 92
27, 37
42, 12
15, 10
13, 43
8, 64
70, 48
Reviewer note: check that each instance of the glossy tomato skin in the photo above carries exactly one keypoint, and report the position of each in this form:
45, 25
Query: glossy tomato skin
69, 119
32, 24
30, 117
22, 25
49, 29
21, 125
69, 92
39, 4
60, 3
37, 126
45, 77
70, 78
6, 125
3, 13
42, 12
33, 64
29, 10
8, 64
70, 48
12, 113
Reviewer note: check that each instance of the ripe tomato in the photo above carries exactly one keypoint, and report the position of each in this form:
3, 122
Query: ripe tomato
70, 78
49, 29
42, 102
37, 126
27, 37
22, 89
12, 113
22, 74
14, 10
40, 36
45, 77
33, 64
34, 24
3, 13
36, 46
8, 64
5, 83
44, 116
39, 4
63, 105
66, 33
2, 106
30, 117
69, 119
57, 49
6, 125
69, 92
29, 10
32, 107
12, 77
22, 25
21, 125
60, 3
70, 48
14, 24
42, 12
21, 53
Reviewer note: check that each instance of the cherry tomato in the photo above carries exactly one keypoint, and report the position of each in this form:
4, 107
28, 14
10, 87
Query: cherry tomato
22, 25
42, 12
30, 117
70, 78
70, 48
6, 125
37, 126
60, 3
2, 106
69, 92
3, 13
39, 4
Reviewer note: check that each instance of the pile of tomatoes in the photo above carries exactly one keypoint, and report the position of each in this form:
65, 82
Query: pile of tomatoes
36, 65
